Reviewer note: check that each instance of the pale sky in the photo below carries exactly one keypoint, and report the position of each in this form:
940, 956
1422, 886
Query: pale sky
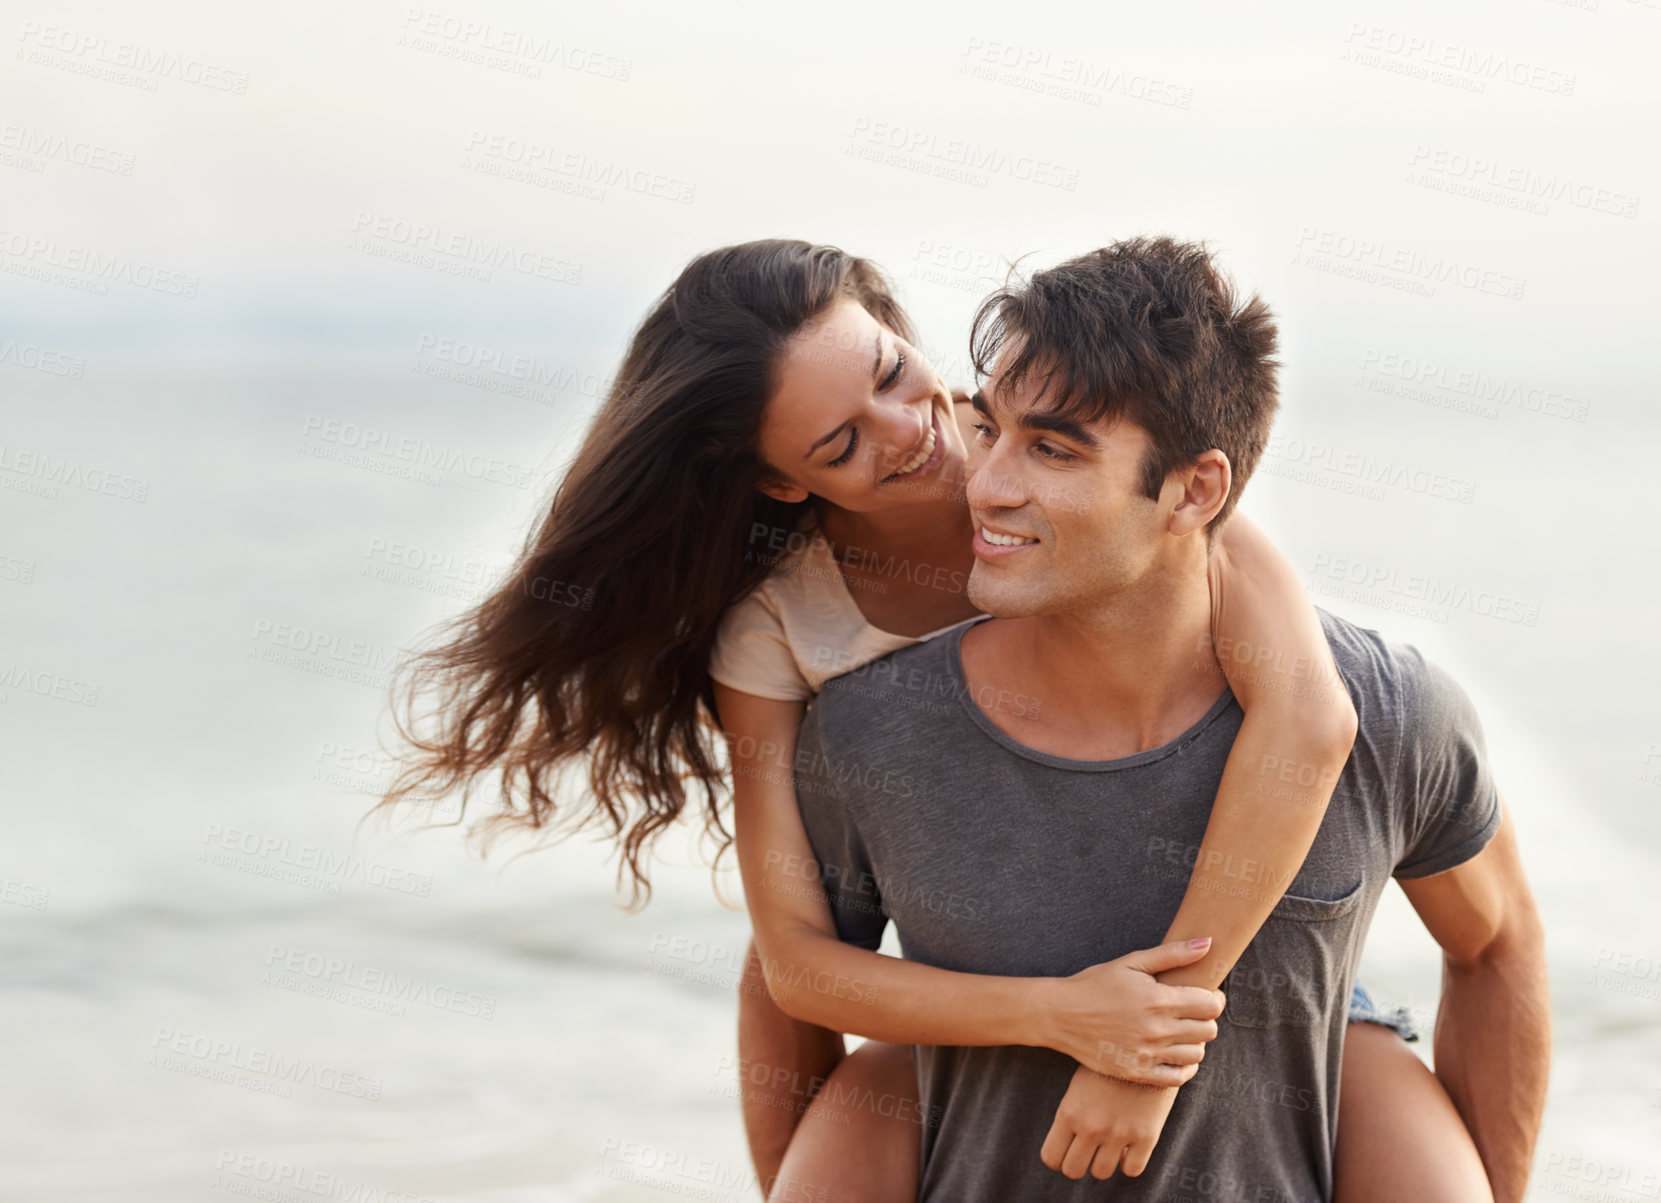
234, 240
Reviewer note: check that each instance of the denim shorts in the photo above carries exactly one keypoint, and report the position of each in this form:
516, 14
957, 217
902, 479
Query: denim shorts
1364, 1010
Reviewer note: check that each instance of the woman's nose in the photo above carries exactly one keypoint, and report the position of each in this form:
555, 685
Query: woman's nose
904, 425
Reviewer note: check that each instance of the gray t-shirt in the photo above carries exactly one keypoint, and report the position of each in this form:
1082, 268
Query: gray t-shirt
992, 857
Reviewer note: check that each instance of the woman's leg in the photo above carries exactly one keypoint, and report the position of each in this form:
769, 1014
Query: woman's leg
859, 1141
1399, 1136
856, 1141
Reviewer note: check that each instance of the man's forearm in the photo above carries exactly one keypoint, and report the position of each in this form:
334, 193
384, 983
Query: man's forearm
1493, 1051
781, 1061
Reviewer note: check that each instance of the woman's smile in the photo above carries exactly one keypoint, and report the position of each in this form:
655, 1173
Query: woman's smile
927, 456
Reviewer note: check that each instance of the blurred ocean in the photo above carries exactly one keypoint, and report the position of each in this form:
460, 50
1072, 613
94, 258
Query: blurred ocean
213, 983
301, 314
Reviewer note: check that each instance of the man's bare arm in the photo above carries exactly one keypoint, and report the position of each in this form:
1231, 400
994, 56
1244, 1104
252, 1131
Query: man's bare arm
1493, 1029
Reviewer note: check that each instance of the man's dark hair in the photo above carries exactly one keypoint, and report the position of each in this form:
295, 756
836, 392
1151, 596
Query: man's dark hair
1150, 330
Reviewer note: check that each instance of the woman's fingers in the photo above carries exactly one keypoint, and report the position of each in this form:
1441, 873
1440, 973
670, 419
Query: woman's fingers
1173, 955
1179, 1075
1136, 1157
1056, 1144
1194, 1031
1186, 1057
1192, 1002
1105, 1162
1079, 1156
1149, 1073
1190, 1052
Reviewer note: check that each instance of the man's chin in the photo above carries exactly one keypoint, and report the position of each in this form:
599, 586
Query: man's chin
1003, 595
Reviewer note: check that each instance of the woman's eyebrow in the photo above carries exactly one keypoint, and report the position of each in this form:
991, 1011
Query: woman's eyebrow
876, 370
820, 442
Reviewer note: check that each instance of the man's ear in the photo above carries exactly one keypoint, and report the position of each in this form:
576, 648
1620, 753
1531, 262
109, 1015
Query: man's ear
782, 490
1204, 484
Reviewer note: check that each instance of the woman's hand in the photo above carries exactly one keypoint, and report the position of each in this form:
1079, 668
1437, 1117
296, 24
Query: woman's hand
1103, 1126
1116, 1019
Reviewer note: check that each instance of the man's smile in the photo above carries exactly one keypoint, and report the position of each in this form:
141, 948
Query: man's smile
991, 543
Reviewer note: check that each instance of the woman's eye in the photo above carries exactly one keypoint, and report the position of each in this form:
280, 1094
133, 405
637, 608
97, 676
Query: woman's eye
899, 366
853, 441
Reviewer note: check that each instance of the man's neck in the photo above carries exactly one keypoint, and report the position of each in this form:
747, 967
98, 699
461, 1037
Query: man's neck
1109, 681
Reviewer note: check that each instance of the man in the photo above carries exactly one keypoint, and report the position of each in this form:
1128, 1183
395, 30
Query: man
1128, 399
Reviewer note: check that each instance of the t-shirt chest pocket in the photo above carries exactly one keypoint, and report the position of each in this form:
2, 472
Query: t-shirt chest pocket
1290, 971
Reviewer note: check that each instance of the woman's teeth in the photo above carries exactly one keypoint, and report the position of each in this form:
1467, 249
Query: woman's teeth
997, 540
922, 456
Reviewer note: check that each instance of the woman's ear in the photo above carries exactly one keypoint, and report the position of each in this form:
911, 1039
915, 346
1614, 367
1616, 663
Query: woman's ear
782, 490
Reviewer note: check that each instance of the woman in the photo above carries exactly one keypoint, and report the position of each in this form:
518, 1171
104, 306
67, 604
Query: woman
772, 398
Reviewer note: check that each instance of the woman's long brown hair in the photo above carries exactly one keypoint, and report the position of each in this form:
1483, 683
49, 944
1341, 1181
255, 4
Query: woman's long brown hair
595, 648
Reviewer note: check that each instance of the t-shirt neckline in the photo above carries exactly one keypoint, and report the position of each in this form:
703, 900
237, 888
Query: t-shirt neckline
960, 680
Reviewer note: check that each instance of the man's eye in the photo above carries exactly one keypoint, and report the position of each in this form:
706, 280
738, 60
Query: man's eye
853, 441
983, 432
1049, 452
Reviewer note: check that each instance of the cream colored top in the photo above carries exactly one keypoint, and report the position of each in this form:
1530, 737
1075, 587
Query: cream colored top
799, 628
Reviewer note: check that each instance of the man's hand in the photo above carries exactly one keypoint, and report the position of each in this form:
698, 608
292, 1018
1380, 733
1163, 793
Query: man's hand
1104, 1124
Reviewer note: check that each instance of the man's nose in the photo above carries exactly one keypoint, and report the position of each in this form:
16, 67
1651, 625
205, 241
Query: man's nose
991, 486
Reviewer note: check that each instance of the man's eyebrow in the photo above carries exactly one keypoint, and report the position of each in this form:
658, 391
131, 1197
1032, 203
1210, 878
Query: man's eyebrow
1066, 427
1056, 424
